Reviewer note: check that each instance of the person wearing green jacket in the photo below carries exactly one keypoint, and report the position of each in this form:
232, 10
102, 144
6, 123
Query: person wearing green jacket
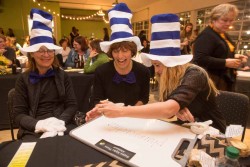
96, 58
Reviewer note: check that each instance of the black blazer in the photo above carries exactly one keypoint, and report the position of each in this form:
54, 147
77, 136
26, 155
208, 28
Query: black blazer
211, 52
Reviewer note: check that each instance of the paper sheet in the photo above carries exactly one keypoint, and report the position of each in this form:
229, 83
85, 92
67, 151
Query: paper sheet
22, 155
234, 130
243, 73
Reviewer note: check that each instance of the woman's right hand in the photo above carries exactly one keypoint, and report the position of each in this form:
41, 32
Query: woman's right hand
233, 63
185, 115
92, 114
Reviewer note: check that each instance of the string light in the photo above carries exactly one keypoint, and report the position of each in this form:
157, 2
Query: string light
77, 18
106, 21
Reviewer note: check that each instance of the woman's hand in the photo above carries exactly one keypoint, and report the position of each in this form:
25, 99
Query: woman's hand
243, 58
185, 115
94, 112
110, 110
233, 63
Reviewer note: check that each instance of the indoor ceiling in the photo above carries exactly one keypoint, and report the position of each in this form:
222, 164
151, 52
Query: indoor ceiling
134, 5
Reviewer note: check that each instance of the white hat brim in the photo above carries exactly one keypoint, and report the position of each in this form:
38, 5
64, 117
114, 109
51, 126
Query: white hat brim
168, 61
106, 44
36, 47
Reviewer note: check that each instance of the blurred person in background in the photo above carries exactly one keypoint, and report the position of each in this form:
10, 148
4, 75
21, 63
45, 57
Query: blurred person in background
96, 57
6, 51
186, 34
106, 34
215, 51
78, 54
65, 49
10, 32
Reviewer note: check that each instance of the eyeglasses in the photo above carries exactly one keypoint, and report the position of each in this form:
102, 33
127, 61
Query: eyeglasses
46, 51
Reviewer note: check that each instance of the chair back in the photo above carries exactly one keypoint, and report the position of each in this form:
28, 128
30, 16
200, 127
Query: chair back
234, 107
10, 111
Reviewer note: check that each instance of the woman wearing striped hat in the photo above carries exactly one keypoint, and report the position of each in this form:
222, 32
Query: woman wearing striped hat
44, 102
121, 80
185, 89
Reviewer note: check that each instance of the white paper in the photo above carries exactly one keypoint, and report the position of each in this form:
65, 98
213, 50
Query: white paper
234, 131
206, 160
243, 73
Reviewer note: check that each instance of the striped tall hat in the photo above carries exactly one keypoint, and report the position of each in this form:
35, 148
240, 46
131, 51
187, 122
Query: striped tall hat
41, 32
121, 29
165, 42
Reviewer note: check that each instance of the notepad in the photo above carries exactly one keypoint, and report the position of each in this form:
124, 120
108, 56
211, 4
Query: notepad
135, 141
22, 155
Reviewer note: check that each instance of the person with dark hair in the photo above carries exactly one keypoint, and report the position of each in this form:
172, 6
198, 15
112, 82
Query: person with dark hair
1, 31
74, 33
215, 51
121, 80
10, 32
96, 57
79, 54
106, 34
65, 49
44, 103
142, 36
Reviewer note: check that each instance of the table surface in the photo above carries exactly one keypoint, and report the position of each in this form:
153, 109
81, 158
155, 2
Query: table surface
62, 151
56, 151
81, 84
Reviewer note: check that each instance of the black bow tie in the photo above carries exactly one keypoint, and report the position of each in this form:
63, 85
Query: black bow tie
129, 78
35, 77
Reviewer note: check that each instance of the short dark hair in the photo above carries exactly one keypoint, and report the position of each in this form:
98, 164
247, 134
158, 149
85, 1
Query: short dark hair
61, 41
95, 44
124, 44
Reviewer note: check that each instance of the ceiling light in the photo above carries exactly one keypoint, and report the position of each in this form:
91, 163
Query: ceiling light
100, 13
115, 3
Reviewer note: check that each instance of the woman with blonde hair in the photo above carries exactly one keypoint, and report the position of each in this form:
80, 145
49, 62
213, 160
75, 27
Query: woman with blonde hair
185, 90
215, 51
186, 34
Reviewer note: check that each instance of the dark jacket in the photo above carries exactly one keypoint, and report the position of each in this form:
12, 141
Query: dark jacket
27, 96
211, 52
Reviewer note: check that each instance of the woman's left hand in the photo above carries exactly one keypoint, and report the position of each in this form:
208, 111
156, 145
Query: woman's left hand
95, 112
243, 58
185, 115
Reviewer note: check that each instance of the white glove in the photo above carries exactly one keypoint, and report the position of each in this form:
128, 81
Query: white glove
51, 124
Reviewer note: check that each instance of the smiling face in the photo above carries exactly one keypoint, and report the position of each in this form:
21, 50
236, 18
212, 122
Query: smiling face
122, 52
44, 59
122, 58
77, 46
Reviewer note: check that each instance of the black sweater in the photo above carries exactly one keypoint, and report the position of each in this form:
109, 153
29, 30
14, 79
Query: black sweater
129, 94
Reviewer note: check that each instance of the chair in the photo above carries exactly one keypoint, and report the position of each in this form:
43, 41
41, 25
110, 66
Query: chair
10, 110
234, 107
